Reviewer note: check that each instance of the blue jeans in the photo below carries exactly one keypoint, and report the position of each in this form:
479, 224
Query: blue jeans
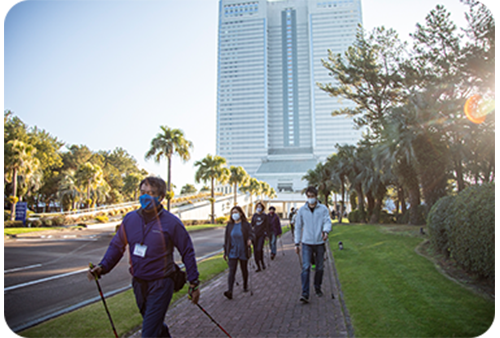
307, 254
272, 243
153, 299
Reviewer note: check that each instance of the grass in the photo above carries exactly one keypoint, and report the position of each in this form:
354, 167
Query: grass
92, 321
391, 291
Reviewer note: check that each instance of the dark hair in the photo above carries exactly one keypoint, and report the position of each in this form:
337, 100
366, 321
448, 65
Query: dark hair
312, 190
242, 213
157, 183
272, 208
261, 204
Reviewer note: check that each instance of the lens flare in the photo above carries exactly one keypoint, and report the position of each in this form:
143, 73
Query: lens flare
476, 108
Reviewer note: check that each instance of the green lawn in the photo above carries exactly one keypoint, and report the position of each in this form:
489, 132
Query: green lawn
92, 321
391, 291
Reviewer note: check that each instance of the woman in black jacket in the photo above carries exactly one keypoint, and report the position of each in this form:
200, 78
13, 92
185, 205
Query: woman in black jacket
260, 226
237, 241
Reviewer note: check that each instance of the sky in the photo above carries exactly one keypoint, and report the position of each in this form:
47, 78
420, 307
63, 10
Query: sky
108, 74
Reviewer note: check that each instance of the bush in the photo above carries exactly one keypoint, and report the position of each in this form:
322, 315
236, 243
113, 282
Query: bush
47, 222
439, 222
58, 220
222, 220
13, 224
36, 223
472, 238
386, 218
102, 219
355, 216
464, 226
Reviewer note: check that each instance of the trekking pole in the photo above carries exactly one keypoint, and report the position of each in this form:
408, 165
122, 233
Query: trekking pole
249, 274
213, 320
104, 301
327, 243
282, 250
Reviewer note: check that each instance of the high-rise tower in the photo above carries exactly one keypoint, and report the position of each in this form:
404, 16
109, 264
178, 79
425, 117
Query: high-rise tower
272, 118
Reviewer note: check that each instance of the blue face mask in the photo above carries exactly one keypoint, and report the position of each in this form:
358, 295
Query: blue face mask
148, 202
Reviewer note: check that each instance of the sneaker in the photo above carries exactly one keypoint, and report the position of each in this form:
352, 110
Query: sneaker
245, 289
272, 256
258, 270
319, 293
304, 299
228, 294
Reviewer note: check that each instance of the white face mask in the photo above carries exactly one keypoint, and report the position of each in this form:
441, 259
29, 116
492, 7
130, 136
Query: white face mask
236, 217
311, 200
259, 210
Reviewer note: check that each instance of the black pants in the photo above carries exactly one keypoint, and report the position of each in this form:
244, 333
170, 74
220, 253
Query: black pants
233, 264
258, 250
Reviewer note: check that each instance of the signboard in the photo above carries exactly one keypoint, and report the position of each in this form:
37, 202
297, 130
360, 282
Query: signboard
21, 208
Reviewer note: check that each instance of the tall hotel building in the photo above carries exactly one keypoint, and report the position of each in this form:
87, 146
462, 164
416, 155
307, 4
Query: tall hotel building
272, 118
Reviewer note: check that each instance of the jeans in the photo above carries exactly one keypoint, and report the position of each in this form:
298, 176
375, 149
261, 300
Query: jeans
153, 299
272, 243
233, 264
258, 250
307, 255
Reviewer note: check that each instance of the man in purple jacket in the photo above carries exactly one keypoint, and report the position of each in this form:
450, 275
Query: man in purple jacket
275, 226
151, 234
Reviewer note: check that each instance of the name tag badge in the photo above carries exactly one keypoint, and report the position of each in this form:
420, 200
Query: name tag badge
140, 250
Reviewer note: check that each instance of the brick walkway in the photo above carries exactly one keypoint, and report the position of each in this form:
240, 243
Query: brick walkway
274, 309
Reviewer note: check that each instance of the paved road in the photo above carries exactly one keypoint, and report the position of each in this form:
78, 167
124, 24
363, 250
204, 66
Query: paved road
44, 276
274, 309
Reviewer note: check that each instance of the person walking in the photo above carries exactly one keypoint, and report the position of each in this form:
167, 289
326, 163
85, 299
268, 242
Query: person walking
260, 226
151, 234
312, 226
275, 230
237, 242
293, 212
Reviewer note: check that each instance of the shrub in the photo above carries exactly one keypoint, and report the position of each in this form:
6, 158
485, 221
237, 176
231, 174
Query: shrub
439, 222
47, 222
36, 223
386, 218
472, 239
13, 224
102, 219
58, 220
355, 216
222, 220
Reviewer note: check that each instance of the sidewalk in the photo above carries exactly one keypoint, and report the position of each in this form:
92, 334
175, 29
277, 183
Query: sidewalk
274, 310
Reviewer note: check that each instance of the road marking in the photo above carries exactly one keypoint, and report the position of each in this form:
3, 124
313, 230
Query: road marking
38, 281
23, 268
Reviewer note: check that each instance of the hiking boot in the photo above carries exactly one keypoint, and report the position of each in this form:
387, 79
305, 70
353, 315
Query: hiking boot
304, 299
228, 294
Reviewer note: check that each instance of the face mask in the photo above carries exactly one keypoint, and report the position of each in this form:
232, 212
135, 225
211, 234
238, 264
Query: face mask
259, 210
148, 202
311, 200
236, 217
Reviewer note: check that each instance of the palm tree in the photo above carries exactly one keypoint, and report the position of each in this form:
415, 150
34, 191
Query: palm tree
19, 160
253, 187
167, 143
321, 178
238, 177
131, 184
90, 177
212, 169
68, 189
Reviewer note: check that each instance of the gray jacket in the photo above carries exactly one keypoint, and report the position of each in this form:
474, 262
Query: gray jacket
309, 226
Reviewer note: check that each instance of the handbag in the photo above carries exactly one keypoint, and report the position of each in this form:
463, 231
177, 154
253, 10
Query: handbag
179, 278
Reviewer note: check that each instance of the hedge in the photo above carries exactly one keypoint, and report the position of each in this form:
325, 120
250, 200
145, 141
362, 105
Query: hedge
465, 227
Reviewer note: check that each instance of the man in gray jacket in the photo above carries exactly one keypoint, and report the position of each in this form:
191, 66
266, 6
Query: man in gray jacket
312, 225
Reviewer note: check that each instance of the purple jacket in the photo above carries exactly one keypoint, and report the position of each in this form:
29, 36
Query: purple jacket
274, 224
160, 235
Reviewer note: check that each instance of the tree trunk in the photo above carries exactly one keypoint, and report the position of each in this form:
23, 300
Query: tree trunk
361, 202
212, 201
342, 206
14, 194
235, 193
169, 158
414, 197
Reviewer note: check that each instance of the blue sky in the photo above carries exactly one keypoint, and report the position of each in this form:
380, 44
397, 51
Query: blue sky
107, 74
